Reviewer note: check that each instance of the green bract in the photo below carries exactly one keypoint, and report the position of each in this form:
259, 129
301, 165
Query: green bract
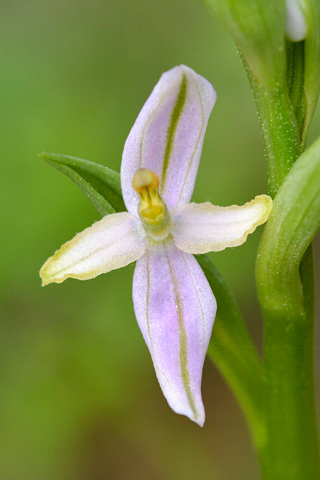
258, 28
292, 225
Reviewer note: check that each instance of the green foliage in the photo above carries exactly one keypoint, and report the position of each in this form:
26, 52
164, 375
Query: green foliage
100, 184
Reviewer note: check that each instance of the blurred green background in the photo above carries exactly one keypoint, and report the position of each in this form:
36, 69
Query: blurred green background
78, 396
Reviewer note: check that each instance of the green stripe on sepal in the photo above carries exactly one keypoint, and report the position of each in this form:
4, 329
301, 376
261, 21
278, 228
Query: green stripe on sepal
176, 114
99, 183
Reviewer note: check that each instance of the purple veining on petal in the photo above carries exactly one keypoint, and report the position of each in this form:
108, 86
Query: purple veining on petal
169, 136
175, 309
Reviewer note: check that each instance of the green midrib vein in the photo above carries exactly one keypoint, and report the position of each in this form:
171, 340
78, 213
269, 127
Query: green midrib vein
176, 114
183, 342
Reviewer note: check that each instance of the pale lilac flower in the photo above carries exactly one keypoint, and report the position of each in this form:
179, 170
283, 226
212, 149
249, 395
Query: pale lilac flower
173, 302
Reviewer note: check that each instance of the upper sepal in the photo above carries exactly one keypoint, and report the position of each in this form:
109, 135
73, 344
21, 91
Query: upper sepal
167, 136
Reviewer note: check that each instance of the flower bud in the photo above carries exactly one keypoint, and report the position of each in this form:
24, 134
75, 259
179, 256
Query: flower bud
296, 26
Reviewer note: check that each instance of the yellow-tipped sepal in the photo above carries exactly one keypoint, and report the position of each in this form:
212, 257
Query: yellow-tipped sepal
113, 242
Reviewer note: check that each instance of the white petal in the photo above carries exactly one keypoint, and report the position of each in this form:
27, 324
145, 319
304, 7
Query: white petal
203, 227
113, 242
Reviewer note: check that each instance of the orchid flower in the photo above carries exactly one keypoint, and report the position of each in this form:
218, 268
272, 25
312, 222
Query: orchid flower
173, 302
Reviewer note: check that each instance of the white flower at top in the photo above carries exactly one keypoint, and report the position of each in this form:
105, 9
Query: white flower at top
296, 26
173, 302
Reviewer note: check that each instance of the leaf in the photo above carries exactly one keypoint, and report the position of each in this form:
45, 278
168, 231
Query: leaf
99, 183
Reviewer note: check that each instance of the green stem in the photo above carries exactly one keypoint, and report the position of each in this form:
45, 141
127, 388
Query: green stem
279, 128
291, 452
286, 293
